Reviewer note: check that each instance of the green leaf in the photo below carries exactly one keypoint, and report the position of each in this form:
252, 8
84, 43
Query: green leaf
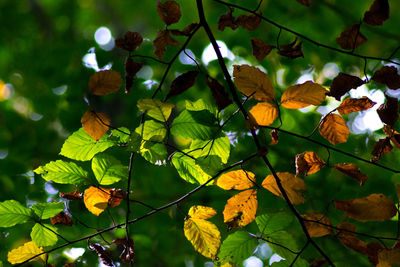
188, 169
47, 210
237, 247
195, 125
135, 141
272, 222
151, 130
12, 213
210, 164
299, 263
285, 240
155, 108
156, 154
42, 236
62, 172
108, 170
220, 147
81, 146
200, 105
122, 134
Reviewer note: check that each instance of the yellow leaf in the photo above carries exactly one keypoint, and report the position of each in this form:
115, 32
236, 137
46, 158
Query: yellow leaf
264, 113
308, 163
316, 229
353, 104
353, 171
252, 81
105, 82
334, 129
96, 200
303, 95
201, 212
291, 183
95, 124
240, 210
238, 180
375, 207
155, 108
27, 251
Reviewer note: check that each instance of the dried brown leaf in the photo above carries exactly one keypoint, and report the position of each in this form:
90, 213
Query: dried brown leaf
378, 13
291, 50
274, 136
388, 76
349, 239
131, 68
261, 49
227, 20
61, 218
308, 163
381, 148
249, 22
343, 83
221, 98
104, 255
105, 82
352, 171
334, 129
95, 124
169, 11
130, 41
182, 83
355, 104
75, 195
128, 249
316, 224
162, 40
351, 38
389, 111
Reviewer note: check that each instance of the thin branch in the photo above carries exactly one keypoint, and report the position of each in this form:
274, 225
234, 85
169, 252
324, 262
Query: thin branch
299, 253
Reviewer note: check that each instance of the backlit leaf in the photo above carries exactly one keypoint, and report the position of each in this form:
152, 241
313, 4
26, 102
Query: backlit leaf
389, 111
375, 207
237, 247
108, 170
201, 212
188, 169
63, 172
151, 130
12, 213
61, 218
44, 235
378, 13
219, 146
303, 95
195, 125
96, 199
238, 180
249, 22
352, 171
315, 229
293, 186
272, 222
308, 163
105, 82
351, 38
47, 210
162, 40
291, 50
218, 92
343, 83
95, 124
155, 108
240, 210
75, 195
387, 75
261, 49
353, 105
264, 113
25, 252
334, 129
169, 11
182, 83
251, 81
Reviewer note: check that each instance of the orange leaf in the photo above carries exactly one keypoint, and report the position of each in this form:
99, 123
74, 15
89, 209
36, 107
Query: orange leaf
169, 12
264, 113
291, 183
162, 40
95, 124
353, 171
105, 82
240, 210
343, 83
201, 212
249, 22
334, 129
261, 49
316, 229
61, 218
96, 199
387, 75
308, 163
375, 207
303, 95
252, 81
352, 105
393, 134
347, 39
238, 180
377, 13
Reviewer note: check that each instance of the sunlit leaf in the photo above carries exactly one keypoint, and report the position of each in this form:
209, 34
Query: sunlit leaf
351, 38
291, 50
195, 125
188, 169
240, 210
353, 171
237, 247
12, 213
182, 83
219, 146
122, 134
378, 13
389, 111
272, 222
155, 108
293, 186
25, 252
238, 180
95, 124
375, 207
44, 235
108, 170
251, 81
353, 105
303, 95
201, 212
151, 130
315, 224
334, 129
264, 113
343, 83
96, 199
105, 82
47, 210
308, 163
162, 40
169, 11
387, 75
261, 49
63, 172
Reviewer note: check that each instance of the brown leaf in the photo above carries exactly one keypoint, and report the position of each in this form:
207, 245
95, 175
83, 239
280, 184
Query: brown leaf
373, 250
394, 135
116, 196
95, 124
249, 22
130, 41
169, 12
104, 255
61, 218
274, 136
308, 163
264, 113
292, 185
353, 105
349, 239
334, 129
221, 98
343, 83
375, 207
162, 40
291, 50
388, 76
352, 171
388, 258
241, 208
316, 229
182, 83
389, 111
351, 38
303, 95
131, 68
377, 13
306, 3
381, 148
227, 20
261, 49
72, 195
128, 252
105, 82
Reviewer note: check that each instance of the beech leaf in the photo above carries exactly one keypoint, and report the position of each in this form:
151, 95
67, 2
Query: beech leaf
291, 50
61, 218
389, 111
130, 41
249, 22
351, 170
293, 186
351, 38
334, 129
155, 108
169, 11
97, 199
381, 148
238, 180
388, 257
227, 20
316, 229
240, 210
274, 137
355, 104
162, 40
308, 163
201, 212
264, 113
105, 82
182, 83
349, 239
95, 124
261, 49
303, 95
75, 195
104, 255
343, 83
218, 92
388, 76
378, 13
131, 68
26, 251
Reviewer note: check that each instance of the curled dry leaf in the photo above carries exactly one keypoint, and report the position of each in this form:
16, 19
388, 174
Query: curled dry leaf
264, 113
355, 104
274, 136
261, 49
249, 22
105, 82
104, 255
316, 224
182, 83
375, 207
291, 50
130, 41
128, 252
251, 81
227, 20
308, 163
116, 196
131, 68
351, 38
169, 11
221, 98
389, 111
75, 195
352, 170
240, 210
334, 129
343, 83
238, 180
378, 13
388, 76
381, 148
95, 124
61, 218
306, 3
162, 40
303, 95
293, 186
